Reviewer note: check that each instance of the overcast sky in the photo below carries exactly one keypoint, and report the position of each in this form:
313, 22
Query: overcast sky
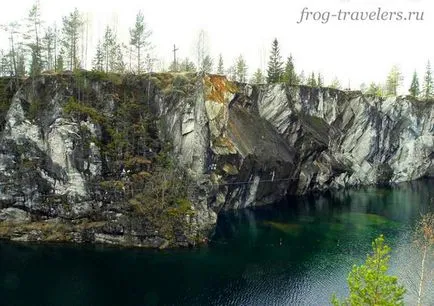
360, 51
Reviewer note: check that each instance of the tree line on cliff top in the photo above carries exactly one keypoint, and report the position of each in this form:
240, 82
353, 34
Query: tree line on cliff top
35, 47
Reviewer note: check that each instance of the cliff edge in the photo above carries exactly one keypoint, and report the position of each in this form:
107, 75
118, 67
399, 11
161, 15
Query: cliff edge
151, 160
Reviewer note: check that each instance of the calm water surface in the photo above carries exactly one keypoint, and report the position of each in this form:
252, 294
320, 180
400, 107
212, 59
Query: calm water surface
298, 252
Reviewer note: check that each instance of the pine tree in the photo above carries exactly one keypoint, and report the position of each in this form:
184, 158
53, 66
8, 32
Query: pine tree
5, 65
149, 62
207, 64
258, 77
414, 87
220, 66
231, 73
60, 65
335, 84
21, 63
275, 70
108, 46
111, 52
139, 38
428, 83
12, 29
320, 82
240, 70
98, 61
119, 65
302, 78
394, 80
56, 43
36, 62
32, 36
48, 42
375, 90
311, 81
71, 36
369, 284
289, 74
187, 65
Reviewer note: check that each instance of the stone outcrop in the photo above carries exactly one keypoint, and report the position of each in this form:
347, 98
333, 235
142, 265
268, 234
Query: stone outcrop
240, 146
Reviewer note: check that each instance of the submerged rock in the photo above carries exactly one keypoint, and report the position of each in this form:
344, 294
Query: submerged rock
82, 156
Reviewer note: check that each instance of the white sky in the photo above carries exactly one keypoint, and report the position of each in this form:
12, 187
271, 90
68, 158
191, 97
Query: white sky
360, 51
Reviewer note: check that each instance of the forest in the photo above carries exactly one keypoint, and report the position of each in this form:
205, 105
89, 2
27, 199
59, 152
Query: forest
37, 47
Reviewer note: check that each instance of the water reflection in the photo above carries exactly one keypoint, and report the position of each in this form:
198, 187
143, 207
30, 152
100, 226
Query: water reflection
297, 252
319, 237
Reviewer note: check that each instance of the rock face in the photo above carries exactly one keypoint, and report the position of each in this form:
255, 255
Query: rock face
239, 146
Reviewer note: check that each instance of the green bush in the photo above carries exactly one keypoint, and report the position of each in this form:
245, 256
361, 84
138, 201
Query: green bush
369, 284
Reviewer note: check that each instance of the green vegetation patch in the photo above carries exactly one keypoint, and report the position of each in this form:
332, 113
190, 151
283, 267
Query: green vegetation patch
174, 86
73, 107
93, 75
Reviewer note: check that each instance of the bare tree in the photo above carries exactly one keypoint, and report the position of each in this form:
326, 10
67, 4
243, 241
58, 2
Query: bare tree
85, 38
202, 49
425, 241
12, 30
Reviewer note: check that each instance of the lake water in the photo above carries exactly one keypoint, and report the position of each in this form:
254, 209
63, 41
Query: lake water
297, 252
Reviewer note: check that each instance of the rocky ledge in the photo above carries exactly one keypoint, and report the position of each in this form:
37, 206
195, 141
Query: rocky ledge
151, 160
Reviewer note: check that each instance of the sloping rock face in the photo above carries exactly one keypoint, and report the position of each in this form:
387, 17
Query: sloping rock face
81, 155
346, 139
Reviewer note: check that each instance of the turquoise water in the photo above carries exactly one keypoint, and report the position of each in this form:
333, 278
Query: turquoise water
297, 252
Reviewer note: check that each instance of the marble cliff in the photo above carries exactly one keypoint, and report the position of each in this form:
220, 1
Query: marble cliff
151, 160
